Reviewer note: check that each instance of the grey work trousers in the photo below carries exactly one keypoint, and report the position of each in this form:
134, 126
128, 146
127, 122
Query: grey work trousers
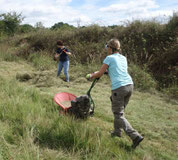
120, 98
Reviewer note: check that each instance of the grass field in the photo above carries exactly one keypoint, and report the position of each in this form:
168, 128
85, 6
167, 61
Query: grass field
32, 129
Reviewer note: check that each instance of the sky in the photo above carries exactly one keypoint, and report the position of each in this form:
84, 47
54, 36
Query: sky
88, 12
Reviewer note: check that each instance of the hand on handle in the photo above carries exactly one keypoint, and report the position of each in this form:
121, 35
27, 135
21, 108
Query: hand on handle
88, 76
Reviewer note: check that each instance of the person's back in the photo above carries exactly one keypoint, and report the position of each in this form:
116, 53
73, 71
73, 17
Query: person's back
118, 70
121, 90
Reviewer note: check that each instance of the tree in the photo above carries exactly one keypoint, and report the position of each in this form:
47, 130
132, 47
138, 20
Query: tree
26, 28
10, 22
61, 25
2, 26
39, 25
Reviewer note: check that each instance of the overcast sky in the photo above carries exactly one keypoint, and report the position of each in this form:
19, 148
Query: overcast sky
87, 12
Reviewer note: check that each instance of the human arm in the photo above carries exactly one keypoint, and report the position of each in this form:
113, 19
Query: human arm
56, 56
98, 74
58, 52
66, 51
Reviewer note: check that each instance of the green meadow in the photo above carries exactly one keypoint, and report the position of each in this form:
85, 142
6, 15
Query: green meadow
33, 126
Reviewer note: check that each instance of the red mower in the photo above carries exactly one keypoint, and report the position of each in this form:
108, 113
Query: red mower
81, 107
64, 99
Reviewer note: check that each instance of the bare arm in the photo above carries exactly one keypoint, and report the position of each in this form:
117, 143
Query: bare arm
56, 55
68, 53
101, 71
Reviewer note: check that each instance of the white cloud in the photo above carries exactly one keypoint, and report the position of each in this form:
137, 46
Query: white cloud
132, 10
88, 12
63, 2
139, 5
46, 11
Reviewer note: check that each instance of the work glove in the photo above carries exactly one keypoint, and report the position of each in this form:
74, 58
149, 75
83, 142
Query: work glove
88, 76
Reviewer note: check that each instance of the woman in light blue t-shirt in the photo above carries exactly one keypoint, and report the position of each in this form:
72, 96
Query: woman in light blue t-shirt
121, 89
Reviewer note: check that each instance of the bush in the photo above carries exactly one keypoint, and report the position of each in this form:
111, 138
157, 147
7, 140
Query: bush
171, 91
41, 61
7, 54
142, 79
25, 28
43, 40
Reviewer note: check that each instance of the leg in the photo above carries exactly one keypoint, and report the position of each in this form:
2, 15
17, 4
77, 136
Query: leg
118, 103
116, 111
66, 69
127, 97
117, 131
60, 66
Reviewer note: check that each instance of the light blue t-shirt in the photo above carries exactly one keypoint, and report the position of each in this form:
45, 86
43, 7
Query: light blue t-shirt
117, 70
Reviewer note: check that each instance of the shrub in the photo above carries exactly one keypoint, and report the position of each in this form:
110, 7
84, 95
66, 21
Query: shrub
41, 61
6, 53
42, 40
25, 28
142, 79
172, 91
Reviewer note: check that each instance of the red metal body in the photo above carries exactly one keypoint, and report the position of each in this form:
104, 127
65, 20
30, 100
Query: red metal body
62, 97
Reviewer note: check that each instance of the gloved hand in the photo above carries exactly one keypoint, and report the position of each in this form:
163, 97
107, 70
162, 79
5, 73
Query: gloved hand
88, 76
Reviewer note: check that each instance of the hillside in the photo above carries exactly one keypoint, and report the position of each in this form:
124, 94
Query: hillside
31, 127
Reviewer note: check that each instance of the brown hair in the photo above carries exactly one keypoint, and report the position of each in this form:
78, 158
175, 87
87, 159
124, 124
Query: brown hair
59, 43
114, 44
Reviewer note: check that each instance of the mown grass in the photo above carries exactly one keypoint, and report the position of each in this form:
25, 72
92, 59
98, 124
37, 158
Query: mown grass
31, 127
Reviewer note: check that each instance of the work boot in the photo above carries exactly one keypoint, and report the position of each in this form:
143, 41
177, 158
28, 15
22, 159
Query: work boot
137, 141
114, 134
66, 80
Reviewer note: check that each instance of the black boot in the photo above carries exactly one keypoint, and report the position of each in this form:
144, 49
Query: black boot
136, 141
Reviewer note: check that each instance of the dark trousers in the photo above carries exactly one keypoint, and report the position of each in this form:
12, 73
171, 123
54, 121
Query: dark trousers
120, 98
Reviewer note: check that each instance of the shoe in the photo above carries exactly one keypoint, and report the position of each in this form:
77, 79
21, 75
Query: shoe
114, 134
137, 141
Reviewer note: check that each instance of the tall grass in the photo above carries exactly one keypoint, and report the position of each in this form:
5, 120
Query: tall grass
32, 121
7, 53
142, 79
31, 127
41, 60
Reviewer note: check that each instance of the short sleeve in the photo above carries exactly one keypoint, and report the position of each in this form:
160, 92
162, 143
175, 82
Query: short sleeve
58, 50
66, 50
107, 61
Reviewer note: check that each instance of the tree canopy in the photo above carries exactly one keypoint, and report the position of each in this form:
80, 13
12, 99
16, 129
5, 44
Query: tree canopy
10, 22
62, 25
